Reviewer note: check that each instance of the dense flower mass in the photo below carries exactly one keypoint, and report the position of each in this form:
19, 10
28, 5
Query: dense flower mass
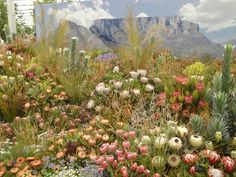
91, 118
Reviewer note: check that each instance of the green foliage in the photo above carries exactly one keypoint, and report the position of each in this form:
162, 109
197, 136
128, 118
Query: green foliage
3, 19
220, 105
197, 124
196, 69
218, 125
227, 82
137, 53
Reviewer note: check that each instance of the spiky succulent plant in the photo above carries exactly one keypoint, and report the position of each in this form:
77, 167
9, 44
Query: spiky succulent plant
197, 124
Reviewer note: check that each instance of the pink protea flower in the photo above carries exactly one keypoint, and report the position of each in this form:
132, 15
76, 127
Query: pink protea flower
156, 175
213, 172
126, 144
140, 169
192, 171
119, 152
190, 158
182, 80
146, 172
126, 135
123, 168
200, 86
110, 158
229, 164
132, 134
143, 150
125, 173
121, 158
213, 157
134, 166
188, 99
104, 148
115, 164
112, 147
104, 164
99, 160
176, 93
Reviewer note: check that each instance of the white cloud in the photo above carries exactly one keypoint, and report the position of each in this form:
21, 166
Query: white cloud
142, 14
213, 15
81, 14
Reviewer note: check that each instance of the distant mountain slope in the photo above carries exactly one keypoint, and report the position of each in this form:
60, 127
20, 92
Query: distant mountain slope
87, 40
181, 37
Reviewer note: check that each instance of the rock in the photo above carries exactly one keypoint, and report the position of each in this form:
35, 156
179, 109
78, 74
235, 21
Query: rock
183, 38
87, 40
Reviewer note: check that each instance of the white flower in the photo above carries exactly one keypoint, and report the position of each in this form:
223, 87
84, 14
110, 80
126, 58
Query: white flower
118, 84
116, 69
174, 160
143, 72
1, 63
124, 93
213, 172
175, 143
157, 80
144, 79
196, 140
160, 141
100, 88
136, 92
134, 74
90, 104
182, 131
149, 88
98, 108
146, 140
107, 89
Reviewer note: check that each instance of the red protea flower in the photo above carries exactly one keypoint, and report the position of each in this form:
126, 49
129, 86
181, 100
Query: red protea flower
175, 107
176, 93
205, 153
213, 172
213, 157
188, 99
228, 164
203, 103
156, 175
182, 80
190, 158
29, 74
200, 86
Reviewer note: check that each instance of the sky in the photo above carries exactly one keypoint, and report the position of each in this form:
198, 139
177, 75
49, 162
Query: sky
216, 18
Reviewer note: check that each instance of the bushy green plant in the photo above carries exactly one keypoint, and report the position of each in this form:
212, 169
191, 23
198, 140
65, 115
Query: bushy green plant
196, 69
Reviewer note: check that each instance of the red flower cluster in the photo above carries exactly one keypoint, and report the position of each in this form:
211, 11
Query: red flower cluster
182, 80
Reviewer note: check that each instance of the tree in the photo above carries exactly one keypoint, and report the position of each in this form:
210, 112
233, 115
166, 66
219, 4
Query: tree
3, 19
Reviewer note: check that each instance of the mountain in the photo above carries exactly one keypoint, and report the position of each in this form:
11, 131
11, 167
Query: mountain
181, 37
232, 41
87, 39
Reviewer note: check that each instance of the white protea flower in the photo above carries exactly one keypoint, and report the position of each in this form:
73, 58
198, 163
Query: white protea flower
149, 88
136, 92
134, 74
107, 89
146, 140
157, 80
11, 79
174, 160
90, 104
182, 131
143, 79
124, 93
100, 88
118, 84
142, 72
160, 141
175, 143
196, 140
116, 69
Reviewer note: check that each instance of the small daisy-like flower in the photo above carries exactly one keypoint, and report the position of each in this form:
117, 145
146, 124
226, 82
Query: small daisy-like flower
174, 160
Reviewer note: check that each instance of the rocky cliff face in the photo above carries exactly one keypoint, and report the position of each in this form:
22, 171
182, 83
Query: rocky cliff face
181, 37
